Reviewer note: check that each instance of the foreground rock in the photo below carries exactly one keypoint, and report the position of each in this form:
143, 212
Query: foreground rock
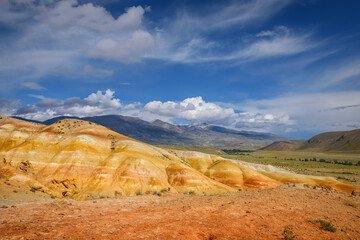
259, 214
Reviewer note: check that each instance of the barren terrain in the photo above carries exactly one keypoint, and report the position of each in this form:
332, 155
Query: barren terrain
258, 214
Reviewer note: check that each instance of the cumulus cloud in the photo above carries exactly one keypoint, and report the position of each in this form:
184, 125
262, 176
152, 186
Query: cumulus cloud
195, 110
98, 103
126, 50
33, 86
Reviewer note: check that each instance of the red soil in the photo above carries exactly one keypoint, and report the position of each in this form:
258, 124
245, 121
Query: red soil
246, 215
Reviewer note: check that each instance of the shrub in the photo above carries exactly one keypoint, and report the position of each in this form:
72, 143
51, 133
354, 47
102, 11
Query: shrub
191, 192
147, 192
288, 234
163, 190
117, 193
351, 204
33, 190
15, 191
325, 225
52, 196
138, 192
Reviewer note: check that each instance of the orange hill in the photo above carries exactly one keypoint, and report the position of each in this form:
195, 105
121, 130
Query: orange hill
85, 160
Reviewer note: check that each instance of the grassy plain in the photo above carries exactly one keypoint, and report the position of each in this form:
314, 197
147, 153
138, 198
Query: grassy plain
300, 162
308, 163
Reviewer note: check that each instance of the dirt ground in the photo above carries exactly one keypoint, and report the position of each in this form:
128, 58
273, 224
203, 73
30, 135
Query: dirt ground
257, 214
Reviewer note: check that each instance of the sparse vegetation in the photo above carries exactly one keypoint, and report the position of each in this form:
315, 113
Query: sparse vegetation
337, 165
138, 192
52, 196
351, 204
33, 190
117, 193
289, 234
324, 225
236, 151
157, 193
15, 191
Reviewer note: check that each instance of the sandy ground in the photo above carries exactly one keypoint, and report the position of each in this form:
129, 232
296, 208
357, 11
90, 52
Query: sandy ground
245, 215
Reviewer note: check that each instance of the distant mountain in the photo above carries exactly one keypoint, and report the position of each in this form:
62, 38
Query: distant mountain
163, 133
346, 141
280, 146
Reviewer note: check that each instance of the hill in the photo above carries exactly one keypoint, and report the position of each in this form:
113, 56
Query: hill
346, 141
162, 133
280, 146
85, 160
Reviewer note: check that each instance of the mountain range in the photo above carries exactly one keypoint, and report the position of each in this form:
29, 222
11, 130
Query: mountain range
162, 133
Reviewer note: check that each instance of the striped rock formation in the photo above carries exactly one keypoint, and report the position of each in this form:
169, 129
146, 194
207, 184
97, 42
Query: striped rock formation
85, 160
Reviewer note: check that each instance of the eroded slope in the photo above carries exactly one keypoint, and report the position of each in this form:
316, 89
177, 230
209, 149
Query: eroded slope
85, 160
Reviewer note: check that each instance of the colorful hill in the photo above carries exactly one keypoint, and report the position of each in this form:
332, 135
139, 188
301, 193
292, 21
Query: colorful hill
85, 160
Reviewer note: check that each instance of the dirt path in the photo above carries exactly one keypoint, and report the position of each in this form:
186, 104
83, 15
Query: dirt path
246, 215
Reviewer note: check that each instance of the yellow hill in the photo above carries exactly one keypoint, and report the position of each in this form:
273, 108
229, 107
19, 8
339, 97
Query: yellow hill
85, 160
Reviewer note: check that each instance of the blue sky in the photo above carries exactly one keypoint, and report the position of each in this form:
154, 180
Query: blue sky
281, 66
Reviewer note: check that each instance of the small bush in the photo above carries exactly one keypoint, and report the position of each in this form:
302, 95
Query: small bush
138, 192
53, 197
147, 192
157, 193
324, 225
163, 190
33, 190
239, 190
351, 204
117, 193
288, 234
191, 192
15, 191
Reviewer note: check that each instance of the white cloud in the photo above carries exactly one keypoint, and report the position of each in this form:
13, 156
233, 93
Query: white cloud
275, 47
265, 34
127, 50
50, 36
98, 103
331, 111
90, 71
340, 74
279, 42
68, 13
33, 86
192, 109
7, 106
